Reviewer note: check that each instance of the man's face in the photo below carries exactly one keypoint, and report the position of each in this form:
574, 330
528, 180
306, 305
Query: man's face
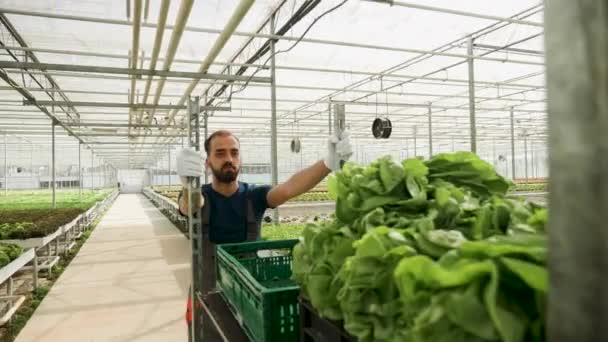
224, 158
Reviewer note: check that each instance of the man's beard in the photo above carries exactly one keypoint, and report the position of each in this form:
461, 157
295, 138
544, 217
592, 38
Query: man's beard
226, 174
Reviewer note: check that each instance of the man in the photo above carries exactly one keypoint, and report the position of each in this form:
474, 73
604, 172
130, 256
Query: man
233, 210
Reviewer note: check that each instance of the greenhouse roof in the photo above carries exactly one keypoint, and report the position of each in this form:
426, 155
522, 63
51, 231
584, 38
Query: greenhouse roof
96, 67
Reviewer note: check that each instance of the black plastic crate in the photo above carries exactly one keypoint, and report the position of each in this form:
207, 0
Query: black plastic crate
316, 329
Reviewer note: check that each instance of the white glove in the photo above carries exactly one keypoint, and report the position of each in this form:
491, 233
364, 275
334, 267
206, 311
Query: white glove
338, 149
189, 164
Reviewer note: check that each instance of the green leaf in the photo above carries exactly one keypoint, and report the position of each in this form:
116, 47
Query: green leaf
535, 276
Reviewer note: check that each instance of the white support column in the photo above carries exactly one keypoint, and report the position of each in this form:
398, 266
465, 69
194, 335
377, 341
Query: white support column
472, 96
92, 158
415, 146
526, 154
512, 144
53, 170
273, 120
79, 170
5, 165
169, 164
430, 131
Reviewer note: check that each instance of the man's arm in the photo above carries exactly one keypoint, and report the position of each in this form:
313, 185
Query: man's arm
183, 203
297, 184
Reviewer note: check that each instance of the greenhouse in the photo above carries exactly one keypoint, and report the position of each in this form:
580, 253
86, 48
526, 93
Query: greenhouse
303, 170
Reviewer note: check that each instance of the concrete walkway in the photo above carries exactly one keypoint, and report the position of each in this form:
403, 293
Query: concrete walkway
128, 283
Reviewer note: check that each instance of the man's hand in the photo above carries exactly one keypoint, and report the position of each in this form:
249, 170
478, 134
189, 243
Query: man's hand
189, 164
338, 148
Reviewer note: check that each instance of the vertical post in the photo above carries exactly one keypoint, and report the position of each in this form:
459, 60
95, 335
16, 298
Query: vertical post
169, 162
472, 95
494, 152
512, 144
53, 174
577, 82
5, 165
329, 124
35, 273
32, 165
453, 145
532, 158
415, 147
206, 122
194, 226
526, 155
430, 132
92, 156
79, 171
273, 120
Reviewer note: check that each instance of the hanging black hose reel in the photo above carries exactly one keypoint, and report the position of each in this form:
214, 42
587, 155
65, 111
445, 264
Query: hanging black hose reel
382, 128
296, 145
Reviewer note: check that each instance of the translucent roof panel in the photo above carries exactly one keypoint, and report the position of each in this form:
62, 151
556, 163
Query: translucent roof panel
397, 62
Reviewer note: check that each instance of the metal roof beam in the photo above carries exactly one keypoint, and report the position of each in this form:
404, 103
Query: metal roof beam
115, 105
457, 12
268, 36
130, 71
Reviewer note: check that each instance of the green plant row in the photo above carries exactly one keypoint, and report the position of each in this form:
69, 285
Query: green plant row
8, 253
21, 200
531, 187
26, 311
34, 223
312, 197
284, 231
427, 251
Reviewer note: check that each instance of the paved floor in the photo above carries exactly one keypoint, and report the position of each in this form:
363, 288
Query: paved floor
128, 283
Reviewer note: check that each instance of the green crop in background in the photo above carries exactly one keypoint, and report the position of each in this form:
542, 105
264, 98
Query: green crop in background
41, 199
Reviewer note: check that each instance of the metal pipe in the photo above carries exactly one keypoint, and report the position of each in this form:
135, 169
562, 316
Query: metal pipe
430, 132
500, 85
329, 128
176, 35
147, 10
206, 132
115, 105
92, 158
169, 162
53, 169
276, 7
234, 21
269, 36
129, 71
415, 146
456, 12
526, 155
273, 119
515, 50
5, 165
286, 100
385, 75
471, 68
134, 52
158, 39
29, 97
512, 144
79, 172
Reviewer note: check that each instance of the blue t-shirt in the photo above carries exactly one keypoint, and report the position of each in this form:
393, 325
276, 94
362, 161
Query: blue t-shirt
228, 215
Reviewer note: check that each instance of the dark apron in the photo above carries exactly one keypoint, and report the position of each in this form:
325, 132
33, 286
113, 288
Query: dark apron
209, 275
